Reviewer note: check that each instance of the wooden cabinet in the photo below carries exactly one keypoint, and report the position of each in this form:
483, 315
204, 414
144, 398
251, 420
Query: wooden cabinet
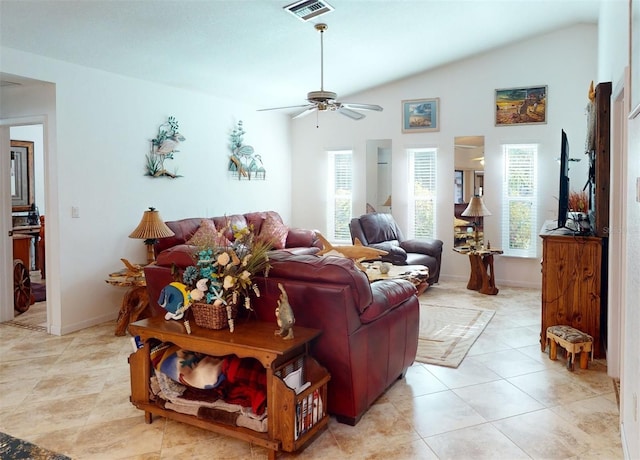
572, 273
600, 160
249, 339
22, 249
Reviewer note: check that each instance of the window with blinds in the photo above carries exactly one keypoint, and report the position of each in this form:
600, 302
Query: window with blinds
422, 193
339, 196
519, 226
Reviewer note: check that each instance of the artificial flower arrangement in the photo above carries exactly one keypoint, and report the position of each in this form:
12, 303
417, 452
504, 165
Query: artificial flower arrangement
578, 201
222, 276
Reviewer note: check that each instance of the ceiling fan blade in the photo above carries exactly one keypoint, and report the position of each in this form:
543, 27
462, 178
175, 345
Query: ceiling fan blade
350, 105
351, 113
305, 112
287, 107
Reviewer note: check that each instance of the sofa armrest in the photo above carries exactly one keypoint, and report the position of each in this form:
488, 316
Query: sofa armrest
302, 238
396, 255
181, 255
387, 295
423, 246
157, 278
356, 231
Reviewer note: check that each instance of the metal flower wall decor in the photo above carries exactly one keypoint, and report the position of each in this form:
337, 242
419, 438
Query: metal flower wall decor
162, 148
244, 163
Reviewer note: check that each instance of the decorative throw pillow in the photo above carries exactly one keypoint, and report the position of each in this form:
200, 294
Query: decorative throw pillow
274, 232
207, 235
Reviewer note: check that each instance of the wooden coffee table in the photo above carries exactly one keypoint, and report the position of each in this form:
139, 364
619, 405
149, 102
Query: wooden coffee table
416, 274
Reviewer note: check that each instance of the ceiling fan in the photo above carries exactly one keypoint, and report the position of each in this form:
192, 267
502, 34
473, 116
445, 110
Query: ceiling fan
326, 100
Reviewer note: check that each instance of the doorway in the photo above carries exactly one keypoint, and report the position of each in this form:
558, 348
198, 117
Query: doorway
27, 224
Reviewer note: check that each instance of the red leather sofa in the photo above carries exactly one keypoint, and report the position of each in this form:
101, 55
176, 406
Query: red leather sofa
370, 330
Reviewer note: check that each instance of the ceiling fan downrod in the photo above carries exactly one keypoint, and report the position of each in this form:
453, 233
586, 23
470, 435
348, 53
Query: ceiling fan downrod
321, 28
323, 99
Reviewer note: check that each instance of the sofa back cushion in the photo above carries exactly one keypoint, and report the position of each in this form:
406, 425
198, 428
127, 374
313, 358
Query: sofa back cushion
228, 223
183, 229
296, 238
380, 227
327, 269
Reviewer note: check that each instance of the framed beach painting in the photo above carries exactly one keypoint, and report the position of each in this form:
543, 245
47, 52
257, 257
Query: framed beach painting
521, 106
420, 115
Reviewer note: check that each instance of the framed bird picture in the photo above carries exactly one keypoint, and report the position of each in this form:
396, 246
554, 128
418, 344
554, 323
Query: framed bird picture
420, 115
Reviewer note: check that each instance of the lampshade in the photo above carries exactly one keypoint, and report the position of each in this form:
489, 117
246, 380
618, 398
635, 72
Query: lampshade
476, 208
151, 227
388, 202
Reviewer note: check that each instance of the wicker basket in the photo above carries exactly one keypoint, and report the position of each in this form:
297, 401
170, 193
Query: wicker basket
212, 316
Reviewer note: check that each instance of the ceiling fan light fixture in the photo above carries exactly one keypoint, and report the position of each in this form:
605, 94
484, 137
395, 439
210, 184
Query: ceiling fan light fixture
321, 96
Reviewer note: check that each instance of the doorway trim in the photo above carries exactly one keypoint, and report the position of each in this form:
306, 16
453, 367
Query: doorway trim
6, 246
616, 300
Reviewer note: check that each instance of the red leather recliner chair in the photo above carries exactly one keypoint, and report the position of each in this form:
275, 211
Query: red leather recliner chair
380, 230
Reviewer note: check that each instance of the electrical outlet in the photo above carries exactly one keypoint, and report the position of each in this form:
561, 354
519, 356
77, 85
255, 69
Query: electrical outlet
75, 212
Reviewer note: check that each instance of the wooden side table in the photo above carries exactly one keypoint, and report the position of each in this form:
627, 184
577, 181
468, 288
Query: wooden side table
249, 339
135, 303
482, 277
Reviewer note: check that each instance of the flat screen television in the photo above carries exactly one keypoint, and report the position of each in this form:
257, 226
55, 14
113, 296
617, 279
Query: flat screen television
563, 193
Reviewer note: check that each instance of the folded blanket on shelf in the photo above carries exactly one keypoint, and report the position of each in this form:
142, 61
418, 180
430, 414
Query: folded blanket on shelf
205, 404
193, 369
235, 380
218, 415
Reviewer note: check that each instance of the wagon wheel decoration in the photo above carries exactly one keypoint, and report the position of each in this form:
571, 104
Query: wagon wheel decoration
21, 287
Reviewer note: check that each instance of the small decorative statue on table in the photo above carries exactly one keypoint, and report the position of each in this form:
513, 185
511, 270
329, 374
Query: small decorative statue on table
284, 315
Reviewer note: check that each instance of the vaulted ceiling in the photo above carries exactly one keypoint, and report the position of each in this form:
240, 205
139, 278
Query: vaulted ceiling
255, 51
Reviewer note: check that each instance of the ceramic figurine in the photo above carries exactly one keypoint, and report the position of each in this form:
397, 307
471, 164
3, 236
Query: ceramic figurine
284, 315
175, 299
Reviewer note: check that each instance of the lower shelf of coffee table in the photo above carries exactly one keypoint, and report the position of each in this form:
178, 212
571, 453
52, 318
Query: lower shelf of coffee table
255, 340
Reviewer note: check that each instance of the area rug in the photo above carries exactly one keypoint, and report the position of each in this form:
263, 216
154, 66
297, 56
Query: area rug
447, 333
13, 448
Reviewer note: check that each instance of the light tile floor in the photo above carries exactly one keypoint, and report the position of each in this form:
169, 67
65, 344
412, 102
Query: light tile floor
507, 400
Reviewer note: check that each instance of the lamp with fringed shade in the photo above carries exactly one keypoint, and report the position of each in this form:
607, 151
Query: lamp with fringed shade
150, 229
476, 208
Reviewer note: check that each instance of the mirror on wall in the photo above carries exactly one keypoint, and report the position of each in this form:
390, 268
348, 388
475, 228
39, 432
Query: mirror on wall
378, 180
22, 183
468, 181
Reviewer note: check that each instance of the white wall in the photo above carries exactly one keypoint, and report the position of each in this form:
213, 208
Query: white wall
631, 320
100, 127
565, 61
614, 59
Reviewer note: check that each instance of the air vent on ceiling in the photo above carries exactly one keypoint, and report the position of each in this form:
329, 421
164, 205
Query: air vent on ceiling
308, 9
